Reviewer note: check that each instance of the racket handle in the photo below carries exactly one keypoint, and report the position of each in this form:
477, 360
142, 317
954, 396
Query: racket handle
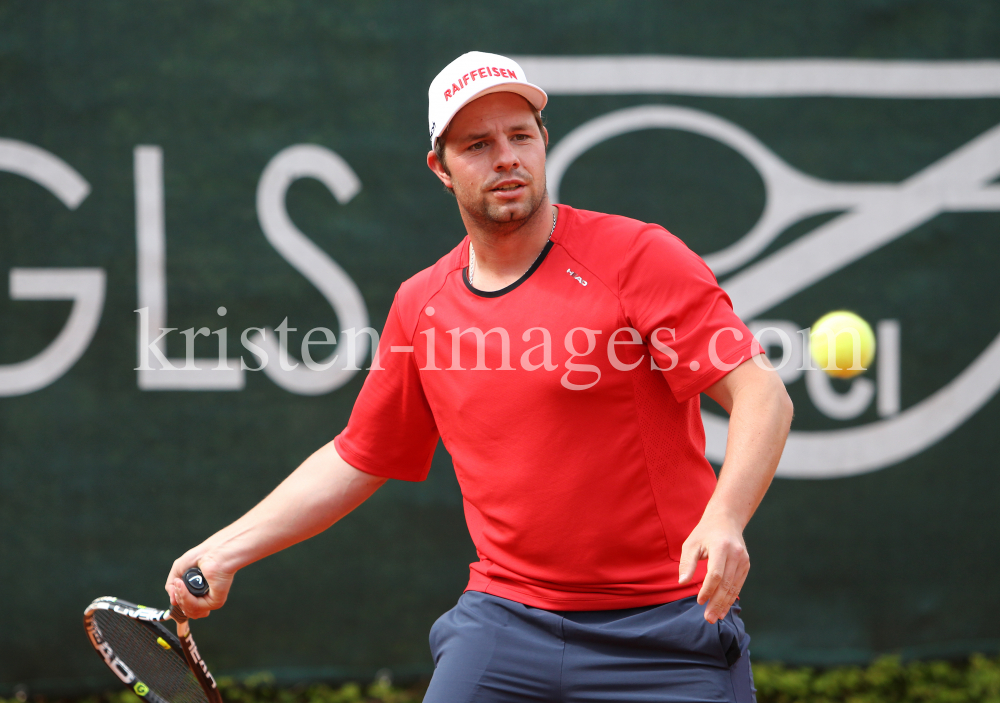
196, 582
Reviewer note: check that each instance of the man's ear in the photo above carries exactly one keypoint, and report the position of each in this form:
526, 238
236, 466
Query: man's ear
545, 136
435, 165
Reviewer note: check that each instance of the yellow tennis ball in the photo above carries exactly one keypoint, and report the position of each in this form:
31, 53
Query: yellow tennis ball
848, 338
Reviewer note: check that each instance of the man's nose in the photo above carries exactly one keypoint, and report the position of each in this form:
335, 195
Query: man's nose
506, 158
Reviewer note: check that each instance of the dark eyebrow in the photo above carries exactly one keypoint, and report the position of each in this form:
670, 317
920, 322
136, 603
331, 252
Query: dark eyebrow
482, 135
475, 137
522, 127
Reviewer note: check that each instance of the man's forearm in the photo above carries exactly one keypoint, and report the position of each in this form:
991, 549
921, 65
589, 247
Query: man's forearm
760, 415
317, 494
759, 421
322, 490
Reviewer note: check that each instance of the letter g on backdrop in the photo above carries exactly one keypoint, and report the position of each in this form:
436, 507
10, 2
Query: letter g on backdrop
84, 286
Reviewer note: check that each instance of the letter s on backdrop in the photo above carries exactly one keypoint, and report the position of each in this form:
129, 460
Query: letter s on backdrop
289, 165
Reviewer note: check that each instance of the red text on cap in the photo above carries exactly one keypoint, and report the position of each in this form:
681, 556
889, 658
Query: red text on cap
484, 72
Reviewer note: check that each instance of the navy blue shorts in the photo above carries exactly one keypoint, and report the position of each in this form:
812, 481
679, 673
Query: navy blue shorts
489, 649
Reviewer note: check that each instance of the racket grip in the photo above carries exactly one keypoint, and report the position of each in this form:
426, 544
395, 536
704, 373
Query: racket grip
196, 582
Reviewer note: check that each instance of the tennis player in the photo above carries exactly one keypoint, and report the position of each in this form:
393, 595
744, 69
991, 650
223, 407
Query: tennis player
560, 355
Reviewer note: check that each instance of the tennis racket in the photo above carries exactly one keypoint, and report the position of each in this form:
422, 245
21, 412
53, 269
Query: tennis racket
159, 666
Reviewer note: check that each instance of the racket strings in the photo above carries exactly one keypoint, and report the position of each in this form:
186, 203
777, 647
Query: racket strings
163, 670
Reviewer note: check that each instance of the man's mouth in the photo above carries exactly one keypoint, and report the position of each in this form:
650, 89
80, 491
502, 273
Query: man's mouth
508, 187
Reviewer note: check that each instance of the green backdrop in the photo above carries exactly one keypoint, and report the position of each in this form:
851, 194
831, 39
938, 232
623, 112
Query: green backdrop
102, 484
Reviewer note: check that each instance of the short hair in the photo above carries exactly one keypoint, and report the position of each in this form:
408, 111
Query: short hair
439, 142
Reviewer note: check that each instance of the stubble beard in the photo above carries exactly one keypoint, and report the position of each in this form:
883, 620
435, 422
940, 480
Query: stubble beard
499, 220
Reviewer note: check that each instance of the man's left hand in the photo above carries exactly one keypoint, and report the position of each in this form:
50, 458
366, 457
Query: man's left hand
719, 539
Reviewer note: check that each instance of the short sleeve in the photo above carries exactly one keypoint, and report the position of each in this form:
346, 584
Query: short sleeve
668, 291
391, 432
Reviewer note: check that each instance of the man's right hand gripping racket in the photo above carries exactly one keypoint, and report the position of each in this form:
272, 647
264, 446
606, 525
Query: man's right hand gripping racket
159, 666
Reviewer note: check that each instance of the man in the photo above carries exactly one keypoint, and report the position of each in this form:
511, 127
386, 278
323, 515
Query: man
559, 354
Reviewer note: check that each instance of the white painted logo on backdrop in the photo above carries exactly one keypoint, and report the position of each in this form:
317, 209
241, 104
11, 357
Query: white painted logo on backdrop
155, 371
873, 214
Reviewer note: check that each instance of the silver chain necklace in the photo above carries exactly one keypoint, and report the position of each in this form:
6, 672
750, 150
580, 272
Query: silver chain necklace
472, 251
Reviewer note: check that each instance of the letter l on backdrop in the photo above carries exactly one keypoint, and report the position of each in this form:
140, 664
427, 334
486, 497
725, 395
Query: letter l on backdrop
151, 275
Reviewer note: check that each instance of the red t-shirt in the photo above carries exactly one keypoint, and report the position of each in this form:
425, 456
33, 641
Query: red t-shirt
581, 478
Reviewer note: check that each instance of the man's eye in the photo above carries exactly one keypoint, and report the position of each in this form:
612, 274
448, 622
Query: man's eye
520, 137
477, 146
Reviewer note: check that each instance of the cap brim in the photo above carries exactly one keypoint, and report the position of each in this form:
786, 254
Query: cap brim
532, 93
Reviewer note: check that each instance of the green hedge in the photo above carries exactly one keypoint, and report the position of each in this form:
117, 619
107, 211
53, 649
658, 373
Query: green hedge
888, 680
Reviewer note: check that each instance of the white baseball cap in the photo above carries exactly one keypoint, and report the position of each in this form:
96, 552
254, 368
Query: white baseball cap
472, 76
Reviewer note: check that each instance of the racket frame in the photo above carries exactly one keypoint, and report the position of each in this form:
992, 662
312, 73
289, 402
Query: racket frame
154, 619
